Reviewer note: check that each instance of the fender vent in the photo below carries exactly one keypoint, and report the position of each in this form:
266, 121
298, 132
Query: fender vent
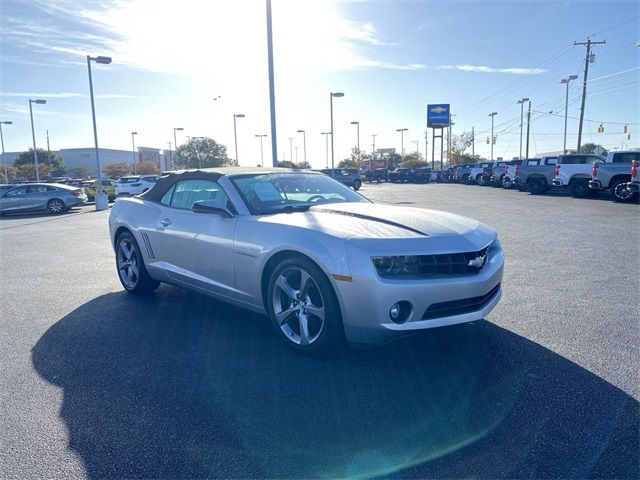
147, 244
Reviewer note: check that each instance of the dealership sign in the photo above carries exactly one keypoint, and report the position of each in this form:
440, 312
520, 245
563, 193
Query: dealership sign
438, 115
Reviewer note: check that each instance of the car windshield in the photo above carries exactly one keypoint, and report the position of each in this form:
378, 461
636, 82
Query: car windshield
277, 192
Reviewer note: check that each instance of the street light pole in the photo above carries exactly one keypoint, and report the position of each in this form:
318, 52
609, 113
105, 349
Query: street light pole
49, 154
521, 103
331, 95
401, 130
357, 124
4, 162
102, 201
235, 133
272, 91
373, 145
326, 146
566, 109
133, 152
304, 143
33, 135
417, 142
291, 148
261, 136
175, 143
491, 141
170, 157
528, 125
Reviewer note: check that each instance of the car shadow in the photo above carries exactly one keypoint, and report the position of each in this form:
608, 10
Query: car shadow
178, 385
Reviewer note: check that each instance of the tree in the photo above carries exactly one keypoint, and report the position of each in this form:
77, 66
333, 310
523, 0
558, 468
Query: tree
413, 161
459, 143
117, 170
57, 162
28, 170
202, 152
79, 172
147, 168
356, 159
290, 164
592, 148
393, 160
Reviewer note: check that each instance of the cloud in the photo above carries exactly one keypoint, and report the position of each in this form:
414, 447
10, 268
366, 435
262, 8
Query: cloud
393, 66
485, 69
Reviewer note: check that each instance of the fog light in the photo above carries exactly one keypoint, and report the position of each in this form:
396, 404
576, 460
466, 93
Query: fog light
400, 312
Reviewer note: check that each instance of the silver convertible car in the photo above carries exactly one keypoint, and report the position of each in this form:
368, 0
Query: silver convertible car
323, 262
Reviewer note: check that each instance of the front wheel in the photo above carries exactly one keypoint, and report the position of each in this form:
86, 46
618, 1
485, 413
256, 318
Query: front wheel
506, 182
303, 306
131, 269
579, 188
356, 185
55, 206
537, 186
482, 180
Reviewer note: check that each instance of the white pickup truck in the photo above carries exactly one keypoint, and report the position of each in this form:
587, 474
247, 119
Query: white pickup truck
574, 171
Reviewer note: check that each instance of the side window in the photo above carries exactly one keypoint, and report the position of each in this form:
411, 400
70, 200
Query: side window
626, 157
150, 179
15, 192
36, 188
166, 198
187, 192
51, 189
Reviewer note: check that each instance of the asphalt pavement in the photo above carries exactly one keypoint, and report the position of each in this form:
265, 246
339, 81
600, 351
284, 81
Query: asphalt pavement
98, 383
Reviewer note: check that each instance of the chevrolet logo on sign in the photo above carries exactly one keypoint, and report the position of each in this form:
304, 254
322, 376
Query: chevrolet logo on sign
438, 110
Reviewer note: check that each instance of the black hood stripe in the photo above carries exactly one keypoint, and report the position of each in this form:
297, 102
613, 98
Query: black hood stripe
367, 217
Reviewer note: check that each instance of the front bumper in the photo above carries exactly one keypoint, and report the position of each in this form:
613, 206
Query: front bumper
366, 301
595, 184
633, 187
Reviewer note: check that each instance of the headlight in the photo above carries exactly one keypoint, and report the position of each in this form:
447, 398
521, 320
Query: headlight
404, 265
495, 245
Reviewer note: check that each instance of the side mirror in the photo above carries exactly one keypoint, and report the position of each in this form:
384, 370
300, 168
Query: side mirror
211, 206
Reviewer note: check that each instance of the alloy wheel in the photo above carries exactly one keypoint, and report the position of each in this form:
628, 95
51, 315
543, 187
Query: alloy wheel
298, 306
621, 193
128, 264
56, 206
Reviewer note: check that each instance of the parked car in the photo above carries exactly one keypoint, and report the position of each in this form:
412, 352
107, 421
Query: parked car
423, 175
5, 187
349, 177
134, 185
108, 187
463, 173
509, 173
478, 173
52, 197
325, 264
496, 173
377, 175
400, 175
574, 171
535, 174
614, 174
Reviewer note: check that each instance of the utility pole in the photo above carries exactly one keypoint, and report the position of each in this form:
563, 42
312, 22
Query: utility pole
493, 114
587, 60
426, 144
373, 147
272, 91
473, 142
528, 127
49, 154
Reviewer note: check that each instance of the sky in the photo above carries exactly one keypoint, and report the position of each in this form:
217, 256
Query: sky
194, 64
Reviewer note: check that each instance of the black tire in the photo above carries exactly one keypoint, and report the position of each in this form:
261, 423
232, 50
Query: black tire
482, 180
378, 179
579, 188
56, 206
506, 183
356, 185
619, 192
497, 184
330, 336
537, 186
466, 179
143, 283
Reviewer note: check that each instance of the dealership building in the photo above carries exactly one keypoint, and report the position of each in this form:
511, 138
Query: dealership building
86, 157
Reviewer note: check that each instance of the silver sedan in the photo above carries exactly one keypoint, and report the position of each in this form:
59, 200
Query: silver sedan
46, 197
322, 261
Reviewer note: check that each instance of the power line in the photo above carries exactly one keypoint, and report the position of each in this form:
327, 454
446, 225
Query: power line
613, 74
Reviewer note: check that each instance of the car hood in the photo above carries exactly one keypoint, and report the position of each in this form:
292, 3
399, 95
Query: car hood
369, 221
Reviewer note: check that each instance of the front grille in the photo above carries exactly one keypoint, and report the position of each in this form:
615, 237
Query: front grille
460, 307
450, 263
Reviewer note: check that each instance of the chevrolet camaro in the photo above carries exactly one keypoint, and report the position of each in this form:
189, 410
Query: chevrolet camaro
322, 261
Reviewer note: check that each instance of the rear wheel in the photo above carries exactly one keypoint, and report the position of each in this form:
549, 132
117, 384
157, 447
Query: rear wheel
55, 206
619, 192
303, 306
537, 186
506, 182
130, 265
482, 180
357, 184
579, 188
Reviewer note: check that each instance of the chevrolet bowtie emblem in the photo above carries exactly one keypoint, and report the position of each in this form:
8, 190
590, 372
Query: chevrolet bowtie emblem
438, 109
477, 262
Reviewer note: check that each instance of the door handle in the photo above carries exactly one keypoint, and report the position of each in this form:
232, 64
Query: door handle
165, 222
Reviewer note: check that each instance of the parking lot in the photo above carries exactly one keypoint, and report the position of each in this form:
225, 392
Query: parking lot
98, 383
